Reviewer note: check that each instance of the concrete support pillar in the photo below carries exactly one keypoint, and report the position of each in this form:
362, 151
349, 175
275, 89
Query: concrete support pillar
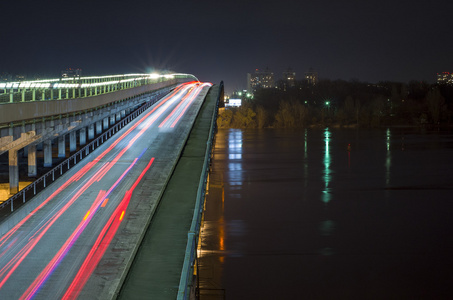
72, 141
91, 131
13, 171
61, 146
118, 116
112, 120
106, 123
32, 168
123, 114
83, 136
98, 127
47, 147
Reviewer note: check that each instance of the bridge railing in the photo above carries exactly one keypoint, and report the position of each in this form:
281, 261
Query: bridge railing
77, 87
186, 281
42, 182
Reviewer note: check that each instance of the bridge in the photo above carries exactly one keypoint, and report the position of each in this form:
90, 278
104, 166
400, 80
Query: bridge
132, 156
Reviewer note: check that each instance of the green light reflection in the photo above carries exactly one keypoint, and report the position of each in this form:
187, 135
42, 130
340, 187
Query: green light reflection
388, 159
326, 196
306, 143
305, 158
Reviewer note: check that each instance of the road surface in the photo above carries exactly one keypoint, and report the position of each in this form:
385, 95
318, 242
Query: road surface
79, 241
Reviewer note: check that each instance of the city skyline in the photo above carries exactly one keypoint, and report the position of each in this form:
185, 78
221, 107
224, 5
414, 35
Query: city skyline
373, 41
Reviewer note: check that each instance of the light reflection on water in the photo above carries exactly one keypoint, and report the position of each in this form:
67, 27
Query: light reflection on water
327, 227
388, 159
235, 176
333, 213
326, 196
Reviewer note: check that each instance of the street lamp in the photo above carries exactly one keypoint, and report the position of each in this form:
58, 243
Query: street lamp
325, 108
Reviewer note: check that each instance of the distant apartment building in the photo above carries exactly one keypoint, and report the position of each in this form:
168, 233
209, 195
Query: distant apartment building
445, 78
311, 77
70, 73
260, 80
5, 76
20, 77
289, 78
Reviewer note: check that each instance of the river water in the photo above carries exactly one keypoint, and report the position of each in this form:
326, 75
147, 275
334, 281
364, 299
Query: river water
329, 214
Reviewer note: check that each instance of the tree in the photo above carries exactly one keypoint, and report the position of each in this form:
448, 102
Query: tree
300, 112
224, 118
350, 109
291, 114
436, 104
284, 116
377, 110
244, 117
261, 116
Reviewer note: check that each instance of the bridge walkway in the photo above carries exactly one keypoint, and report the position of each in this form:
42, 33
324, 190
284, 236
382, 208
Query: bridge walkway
156, 269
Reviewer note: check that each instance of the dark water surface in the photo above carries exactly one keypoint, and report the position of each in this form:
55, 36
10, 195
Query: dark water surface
329, 214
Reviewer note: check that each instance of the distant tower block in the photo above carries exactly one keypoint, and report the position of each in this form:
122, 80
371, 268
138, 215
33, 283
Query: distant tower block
289, 78
445, 78
260, 80
311, 77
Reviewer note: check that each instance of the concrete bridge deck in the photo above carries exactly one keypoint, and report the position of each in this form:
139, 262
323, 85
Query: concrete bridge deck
156, 269
104, 283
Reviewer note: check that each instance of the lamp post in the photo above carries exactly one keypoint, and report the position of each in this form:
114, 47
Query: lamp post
325, 108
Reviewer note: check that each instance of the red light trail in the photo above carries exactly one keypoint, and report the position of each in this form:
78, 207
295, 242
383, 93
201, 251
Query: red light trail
19, 242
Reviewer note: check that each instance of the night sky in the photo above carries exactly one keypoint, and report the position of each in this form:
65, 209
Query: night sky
223, 40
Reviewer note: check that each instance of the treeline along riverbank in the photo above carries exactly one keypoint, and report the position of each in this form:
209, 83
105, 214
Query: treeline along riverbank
344, 104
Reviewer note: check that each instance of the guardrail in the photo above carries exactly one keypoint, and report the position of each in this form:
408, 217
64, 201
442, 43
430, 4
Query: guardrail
185, 282
77, 87
35, 187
